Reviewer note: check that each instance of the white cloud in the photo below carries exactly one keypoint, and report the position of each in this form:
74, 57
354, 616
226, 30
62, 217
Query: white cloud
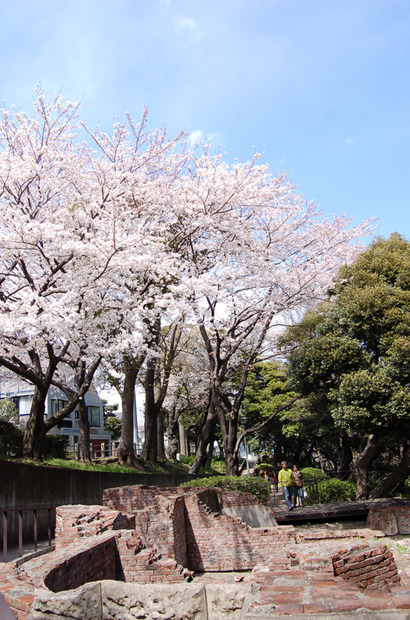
195, 137
184, 24
214, 140
352, 139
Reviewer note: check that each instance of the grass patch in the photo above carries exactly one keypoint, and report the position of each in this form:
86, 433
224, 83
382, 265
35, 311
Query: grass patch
109, 464
73, 464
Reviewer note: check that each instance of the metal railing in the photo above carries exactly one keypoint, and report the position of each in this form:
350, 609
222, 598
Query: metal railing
312, 490
34, 511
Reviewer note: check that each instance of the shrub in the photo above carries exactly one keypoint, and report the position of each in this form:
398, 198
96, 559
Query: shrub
265, 468
218, 465
187, 460
312, 472
256, 486
55, 446
11, 439
335, 490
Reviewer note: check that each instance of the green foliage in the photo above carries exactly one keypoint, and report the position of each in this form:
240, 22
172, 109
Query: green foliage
256, 486
55, 446
265, 468
218, 466
188, 459
350, 357
113, 425
312, 472
8, 411
73, 464
335, 490
406, 488
267, 390
11, 439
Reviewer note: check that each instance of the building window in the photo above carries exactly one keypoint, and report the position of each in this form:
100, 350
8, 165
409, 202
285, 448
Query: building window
94, 416
57, 404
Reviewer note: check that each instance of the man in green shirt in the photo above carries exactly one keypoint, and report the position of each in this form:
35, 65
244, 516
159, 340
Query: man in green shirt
286, 482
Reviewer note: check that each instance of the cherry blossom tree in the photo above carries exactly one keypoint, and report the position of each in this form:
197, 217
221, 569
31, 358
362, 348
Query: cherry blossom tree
254, 248
41, 261
105, 241
135, 170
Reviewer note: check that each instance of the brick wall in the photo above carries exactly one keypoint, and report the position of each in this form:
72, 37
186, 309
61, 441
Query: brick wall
101, 561
79, 521
139, 497
179, 532
186, 525
374, 569
218, 542
141, 564
229, 499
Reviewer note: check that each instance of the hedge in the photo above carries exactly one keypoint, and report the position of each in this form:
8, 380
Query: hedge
258, 487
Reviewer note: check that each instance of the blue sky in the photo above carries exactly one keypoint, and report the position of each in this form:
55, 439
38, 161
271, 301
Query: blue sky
321, 87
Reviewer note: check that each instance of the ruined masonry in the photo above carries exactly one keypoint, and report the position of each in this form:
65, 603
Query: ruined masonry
206, 554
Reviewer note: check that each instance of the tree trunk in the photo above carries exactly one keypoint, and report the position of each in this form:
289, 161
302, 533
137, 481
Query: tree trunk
387, 486
230, 447
183, 443
150, 449
205, 434
210, 452
172, 434
322, 461
363, 464
35, 430
84, 427
345, 457
160, 435
126, 450
231, 461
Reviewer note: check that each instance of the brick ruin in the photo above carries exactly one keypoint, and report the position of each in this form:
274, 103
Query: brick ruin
201, 553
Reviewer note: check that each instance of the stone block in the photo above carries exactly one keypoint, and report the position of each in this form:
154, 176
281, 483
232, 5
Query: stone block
226, 600
84, 603
136, 601
253, 515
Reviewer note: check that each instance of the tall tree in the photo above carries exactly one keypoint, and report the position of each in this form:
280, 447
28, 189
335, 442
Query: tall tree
352, 357
41, 279
135, 170
254, 249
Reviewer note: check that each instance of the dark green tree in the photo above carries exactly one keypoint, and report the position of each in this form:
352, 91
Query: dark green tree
112, 424
351, 359
268, 390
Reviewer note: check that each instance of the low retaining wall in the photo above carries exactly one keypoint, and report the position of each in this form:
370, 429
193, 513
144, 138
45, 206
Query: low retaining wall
392, 519
109, 599
374, 569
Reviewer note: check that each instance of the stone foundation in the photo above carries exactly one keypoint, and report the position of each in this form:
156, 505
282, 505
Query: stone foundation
179, 553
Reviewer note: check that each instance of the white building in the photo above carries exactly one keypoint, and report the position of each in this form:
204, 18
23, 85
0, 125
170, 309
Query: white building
21, 394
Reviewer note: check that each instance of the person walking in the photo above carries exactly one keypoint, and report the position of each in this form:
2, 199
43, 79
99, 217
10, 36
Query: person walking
299, 484
286, 481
